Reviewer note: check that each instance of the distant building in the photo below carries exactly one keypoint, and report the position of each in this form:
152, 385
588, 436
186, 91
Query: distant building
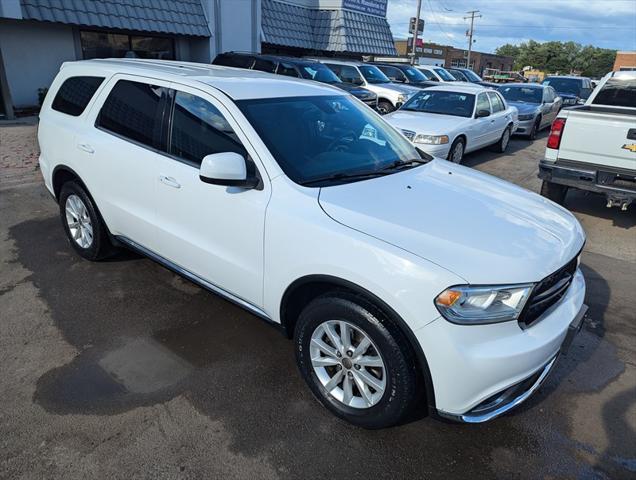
448, 56
625, 61
37, 36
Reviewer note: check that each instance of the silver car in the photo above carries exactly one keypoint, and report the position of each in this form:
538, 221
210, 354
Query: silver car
538, 106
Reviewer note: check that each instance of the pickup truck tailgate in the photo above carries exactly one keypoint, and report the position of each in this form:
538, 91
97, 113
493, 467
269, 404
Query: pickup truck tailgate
598, 136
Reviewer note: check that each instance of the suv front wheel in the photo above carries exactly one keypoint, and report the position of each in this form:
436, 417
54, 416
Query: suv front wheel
83, 225
349, 354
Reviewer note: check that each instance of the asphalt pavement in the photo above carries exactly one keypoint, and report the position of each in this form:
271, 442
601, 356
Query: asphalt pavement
122, 369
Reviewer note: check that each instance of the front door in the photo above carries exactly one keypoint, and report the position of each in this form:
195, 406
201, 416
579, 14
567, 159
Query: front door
480, 130
213, 231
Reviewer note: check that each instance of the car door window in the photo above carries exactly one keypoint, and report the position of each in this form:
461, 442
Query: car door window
264, 65
393, 73
287, 69
497, 104
134, 110
482, 103
350, 75
75, 93
199, 129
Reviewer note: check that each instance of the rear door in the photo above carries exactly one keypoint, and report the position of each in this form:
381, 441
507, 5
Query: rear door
122, 142
499, 119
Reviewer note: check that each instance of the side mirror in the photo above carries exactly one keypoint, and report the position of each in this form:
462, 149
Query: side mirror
482, 114
226, 168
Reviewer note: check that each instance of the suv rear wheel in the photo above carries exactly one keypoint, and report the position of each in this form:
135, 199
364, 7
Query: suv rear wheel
351, 357
84, 227
554, 192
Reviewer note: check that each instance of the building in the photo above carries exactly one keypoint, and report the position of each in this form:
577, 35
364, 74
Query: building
625, 61
37, 36
448, 56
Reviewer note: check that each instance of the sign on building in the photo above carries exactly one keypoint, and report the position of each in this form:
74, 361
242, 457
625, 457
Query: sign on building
370, 7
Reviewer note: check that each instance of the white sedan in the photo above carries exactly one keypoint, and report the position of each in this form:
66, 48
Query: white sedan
450, 120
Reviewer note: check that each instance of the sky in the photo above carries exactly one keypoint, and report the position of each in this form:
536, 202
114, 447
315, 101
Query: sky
602, 23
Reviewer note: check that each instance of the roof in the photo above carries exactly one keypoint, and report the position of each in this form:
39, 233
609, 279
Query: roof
329, 30
237, 83
524, 85
459, 87
183, 17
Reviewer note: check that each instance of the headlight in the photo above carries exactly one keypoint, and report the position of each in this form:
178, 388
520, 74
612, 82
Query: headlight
402, 98
529, 116
431, 139
485, 304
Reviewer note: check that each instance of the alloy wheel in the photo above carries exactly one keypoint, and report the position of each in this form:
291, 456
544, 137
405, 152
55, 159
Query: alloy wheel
505, 139
457, 153
348, 364
79, 221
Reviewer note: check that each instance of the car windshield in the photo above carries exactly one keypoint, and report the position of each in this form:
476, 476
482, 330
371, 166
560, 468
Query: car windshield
319, 73
472, 76
414, 75
564, 85
317, 139
522, 94
444, 75
459, 75
441, 102
373, 74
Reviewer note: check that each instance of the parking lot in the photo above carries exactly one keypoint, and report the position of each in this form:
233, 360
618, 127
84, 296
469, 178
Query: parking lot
122, 369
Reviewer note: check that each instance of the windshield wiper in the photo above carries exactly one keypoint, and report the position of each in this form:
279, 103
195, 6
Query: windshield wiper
345, 176
398, 164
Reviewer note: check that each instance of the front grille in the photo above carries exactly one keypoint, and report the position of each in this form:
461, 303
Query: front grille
548, 292
408, 134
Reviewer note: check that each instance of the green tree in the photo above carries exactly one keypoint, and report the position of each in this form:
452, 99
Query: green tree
560, 57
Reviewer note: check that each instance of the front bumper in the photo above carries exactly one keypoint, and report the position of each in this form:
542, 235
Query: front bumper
439, 151
525, 126
619, 185
473, 366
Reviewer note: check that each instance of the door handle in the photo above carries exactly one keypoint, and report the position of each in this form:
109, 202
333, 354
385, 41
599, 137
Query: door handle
85, 147
171, 182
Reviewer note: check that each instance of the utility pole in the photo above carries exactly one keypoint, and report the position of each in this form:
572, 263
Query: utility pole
470, 33
417, 25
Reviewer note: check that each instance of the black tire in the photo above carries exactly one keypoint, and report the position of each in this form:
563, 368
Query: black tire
535, 129
384, 107
100, 247
502, 145
554, 192
452, 149
401, 389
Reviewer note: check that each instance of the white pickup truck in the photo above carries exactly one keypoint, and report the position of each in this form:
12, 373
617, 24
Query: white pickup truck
593, 147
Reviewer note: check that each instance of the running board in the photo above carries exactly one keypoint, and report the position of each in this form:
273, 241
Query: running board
194, 278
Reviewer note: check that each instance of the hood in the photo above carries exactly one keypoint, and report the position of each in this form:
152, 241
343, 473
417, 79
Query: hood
426, 123
479, 227
525, 108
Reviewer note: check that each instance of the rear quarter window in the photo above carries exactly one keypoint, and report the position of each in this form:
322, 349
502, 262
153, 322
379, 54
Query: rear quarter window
617, 93
75, 93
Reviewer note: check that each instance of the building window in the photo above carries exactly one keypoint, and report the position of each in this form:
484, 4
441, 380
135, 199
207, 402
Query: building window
116, 45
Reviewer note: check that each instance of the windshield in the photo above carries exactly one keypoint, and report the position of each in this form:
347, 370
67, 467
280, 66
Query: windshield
472, 76
564, 85
314, 138
522, 94
319, 73
443, 103
414, 75
373, 74
444, 74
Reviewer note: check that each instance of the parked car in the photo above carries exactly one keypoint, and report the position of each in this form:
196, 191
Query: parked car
294, 67
538, 106
593, 147
436, 74
401, 278
467, 75
573, 90
390, 95
451, 120
403, 73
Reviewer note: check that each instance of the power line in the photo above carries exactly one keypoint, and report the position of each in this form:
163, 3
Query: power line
572, 27
437, 24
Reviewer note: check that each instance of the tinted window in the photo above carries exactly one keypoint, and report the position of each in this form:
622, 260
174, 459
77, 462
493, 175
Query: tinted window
264, 65
429, 75
75, 93
133, 110
350, 74
393, 73
565, 85
238, 61
444, 75
617, 93
287, 69
497, 104
313, 138
319, 73
441, 102
459, 75
482, 103
199, 129
373, 74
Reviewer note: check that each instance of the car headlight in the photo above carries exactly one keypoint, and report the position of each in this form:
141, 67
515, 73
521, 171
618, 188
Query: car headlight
402, 98
469, 305
528, 116
431, 139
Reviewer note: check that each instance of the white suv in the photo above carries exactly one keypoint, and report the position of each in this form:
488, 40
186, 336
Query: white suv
402, 279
